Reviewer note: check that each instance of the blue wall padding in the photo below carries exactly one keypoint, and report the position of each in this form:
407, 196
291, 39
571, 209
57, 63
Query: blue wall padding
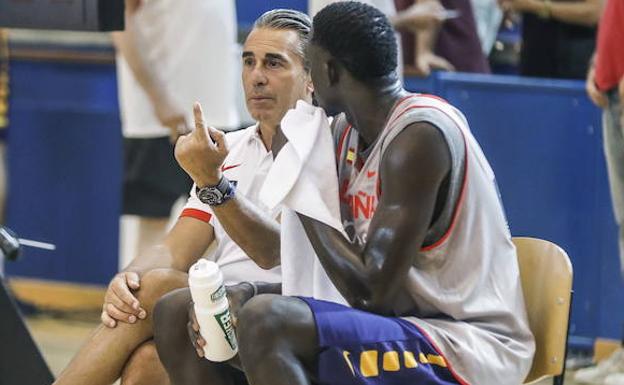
543, 139
65, 162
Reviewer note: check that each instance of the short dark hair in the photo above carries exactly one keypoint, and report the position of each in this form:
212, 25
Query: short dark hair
359, 36
288, 19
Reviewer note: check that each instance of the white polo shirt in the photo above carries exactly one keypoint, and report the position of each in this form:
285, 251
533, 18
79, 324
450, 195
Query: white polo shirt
247, 163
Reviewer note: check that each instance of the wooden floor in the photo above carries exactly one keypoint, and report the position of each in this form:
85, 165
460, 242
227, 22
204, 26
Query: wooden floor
59, 339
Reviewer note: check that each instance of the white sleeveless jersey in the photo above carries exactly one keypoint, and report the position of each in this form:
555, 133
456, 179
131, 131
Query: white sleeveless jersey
463, 289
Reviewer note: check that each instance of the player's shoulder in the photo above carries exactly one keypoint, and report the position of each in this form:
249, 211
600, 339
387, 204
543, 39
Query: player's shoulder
419, 143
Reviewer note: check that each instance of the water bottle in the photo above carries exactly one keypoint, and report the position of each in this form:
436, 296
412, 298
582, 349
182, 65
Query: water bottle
212, 310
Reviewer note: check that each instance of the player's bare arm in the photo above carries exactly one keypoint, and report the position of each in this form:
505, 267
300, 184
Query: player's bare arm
412, 172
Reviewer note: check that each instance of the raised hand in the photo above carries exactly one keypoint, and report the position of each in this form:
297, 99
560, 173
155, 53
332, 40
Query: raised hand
424, 15
172, 116
599, 98
428, 61
177, 126
202, 152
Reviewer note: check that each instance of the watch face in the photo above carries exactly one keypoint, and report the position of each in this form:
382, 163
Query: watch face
210, 196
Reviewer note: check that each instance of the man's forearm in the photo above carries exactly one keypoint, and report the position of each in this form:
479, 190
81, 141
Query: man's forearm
582, 13
252, 230
574, 12
184, 245
400, 20
155, 258
342, 261
424, 41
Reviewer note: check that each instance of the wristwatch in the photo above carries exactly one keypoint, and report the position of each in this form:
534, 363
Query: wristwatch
216, 195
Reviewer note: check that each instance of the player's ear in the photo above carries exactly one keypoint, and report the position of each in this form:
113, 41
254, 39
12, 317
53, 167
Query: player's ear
333, 72
309, 85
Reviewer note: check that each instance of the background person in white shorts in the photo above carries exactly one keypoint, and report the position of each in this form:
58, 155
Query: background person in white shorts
170, 55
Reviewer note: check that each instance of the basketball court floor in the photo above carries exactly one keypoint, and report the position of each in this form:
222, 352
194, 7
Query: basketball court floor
60, 338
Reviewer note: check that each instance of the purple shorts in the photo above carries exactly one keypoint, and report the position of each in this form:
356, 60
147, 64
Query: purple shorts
361, 348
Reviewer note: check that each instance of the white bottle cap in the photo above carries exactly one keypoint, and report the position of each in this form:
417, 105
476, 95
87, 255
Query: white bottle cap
205, 272
212, 310
206, 284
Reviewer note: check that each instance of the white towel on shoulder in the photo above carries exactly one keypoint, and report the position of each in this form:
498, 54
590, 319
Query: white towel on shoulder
303, 179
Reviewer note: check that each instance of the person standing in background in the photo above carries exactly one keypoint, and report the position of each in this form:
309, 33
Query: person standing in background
418, 17
605, 87
488, 17
558, 37
453, 46
169, 56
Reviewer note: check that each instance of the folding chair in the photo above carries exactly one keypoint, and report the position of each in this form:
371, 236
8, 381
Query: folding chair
546, 274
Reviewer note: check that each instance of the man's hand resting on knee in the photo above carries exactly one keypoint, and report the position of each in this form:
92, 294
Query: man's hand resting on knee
120, 304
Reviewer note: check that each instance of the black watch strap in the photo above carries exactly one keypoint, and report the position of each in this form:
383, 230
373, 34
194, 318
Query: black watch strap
223, 185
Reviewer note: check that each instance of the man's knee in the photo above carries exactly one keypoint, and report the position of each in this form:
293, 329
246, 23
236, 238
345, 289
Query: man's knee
262, 314
158, 282
144, 367
269, 320
171, 317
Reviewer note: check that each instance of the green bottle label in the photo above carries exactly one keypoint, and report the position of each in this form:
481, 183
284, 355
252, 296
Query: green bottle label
218, 294
225, 322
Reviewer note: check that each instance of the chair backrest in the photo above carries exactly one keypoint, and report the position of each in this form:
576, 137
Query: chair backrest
546, 274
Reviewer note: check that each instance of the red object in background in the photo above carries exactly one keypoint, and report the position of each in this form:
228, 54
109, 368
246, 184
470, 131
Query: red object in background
609, 50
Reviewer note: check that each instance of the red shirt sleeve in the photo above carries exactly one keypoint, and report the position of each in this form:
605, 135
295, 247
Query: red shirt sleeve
610, 46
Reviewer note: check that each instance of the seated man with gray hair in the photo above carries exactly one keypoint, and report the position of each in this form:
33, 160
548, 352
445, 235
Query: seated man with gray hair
235, 164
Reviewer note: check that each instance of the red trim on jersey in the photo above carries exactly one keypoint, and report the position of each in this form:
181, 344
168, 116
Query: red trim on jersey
350, 126
460, 380
399, 105
462, 194
410, 107
197, 214
464, 182
434, 97
404, 98
460, 203
341, 141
